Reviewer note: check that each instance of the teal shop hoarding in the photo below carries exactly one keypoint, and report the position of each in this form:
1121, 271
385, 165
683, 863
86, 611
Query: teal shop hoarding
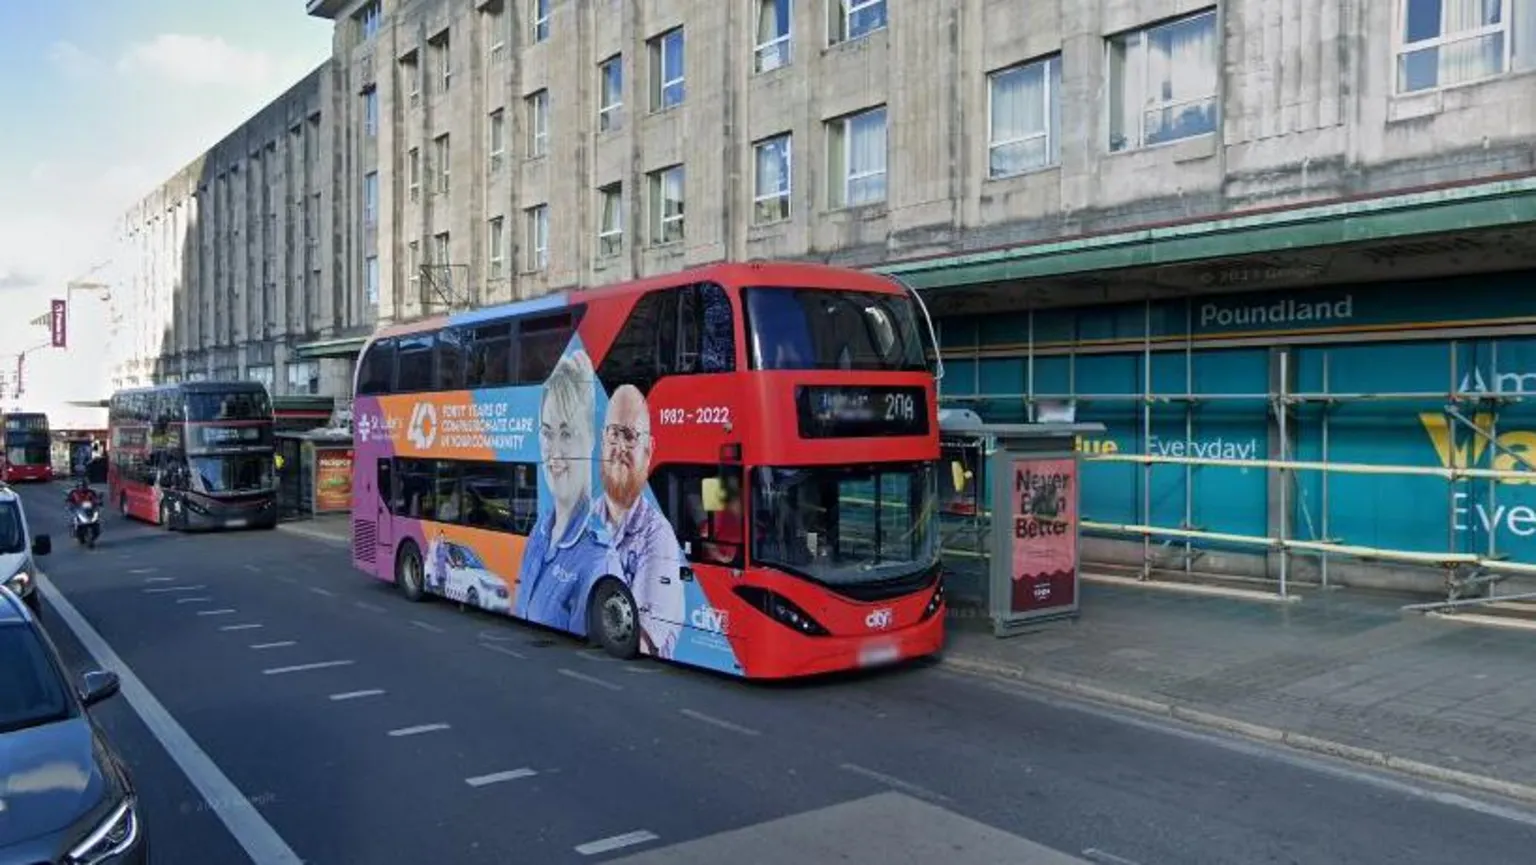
1423, 514
1222, 500
1395, 306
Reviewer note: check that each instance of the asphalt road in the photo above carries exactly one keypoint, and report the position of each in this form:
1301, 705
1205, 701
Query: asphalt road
597, 760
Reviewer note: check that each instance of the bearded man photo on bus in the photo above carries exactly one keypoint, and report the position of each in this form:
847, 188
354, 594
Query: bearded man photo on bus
645, 551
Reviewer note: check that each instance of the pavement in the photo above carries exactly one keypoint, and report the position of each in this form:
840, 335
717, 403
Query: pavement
277, 701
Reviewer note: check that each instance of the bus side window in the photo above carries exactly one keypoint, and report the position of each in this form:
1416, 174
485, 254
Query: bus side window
709, 531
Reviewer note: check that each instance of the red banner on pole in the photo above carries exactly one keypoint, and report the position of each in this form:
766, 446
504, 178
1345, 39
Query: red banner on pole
59, 325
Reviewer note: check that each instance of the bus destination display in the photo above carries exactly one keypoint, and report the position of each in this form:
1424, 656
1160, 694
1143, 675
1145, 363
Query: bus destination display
848, 411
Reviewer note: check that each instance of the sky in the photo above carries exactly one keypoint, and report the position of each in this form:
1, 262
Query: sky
103, 100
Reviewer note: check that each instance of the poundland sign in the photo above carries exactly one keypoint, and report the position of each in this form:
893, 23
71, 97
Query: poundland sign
1277, 314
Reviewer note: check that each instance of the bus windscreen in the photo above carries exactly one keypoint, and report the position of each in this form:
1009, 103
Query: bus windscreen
808, 328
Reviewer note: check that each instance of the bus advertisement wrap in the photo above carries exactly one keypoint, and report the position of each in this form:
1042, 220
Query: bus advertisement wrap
1044, 500
596, 514
587, 465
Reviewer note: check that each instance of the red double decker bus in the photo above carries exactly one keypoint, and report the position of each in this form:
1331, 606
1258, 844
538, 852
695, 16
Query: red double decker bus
25, 447
731, 467
194, 455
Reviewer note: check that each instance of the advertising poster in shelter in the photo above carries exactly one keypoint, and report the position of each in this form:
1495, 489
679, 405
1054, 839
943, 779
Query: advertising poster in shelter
1044, 499
333, 480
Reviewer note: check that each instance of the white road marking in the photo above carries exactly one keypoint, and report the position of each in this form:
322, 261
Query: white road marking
364, 605
287, 579
426, 626
591, 679
1098, 855
319, 591
252, 568
353, 695
163, 589
637, 669
494, 637
605, 845
283, 644
299, 668
239, 627
158, 579
505, 651
420, 728
193, 600
498, 777
223, 612
147, 571
250, 830
893, 781
720, 722
593, 656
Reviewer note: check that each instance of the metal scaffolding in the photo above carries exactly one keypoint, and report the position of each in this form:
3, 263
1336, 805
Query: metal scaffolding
1466, 573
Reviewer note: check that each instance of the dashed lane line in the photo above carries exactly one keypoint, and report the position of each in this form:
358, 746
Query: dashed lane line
357, 695
498, 777
162, 590
224, 612
193, 600
513, 653
602, 683
418, 730
426, 626
300, 668
319, 591
250, 626
892, 781
281, 644
250, 830
617, 842
720, 722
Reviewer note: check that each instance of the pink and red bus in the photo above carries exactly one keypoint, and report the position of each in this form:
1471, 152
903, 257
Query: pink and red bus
197, 455
731, 467
25, 447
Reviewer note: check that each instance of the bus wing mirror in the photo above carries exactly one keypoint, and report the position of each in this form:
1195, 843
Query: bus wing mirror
713, 492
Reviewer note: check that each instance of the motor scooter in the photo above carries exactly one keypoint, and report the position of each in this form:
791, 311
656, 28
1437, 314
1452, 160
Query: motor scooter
85, 522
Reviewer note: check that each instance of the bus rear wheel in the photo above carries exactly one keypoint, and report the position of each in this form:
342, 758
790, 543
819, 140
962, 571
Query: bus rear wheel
408, 572
615, 622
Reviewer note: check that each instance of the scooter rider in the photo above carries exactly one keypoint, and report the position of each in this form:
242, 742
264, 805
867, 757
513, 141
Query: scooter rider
81, 494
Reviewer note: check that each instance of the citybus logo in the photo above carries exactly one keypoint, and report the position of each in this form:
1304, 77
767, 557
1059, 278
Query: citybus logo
708, 618
423, 429
880, 619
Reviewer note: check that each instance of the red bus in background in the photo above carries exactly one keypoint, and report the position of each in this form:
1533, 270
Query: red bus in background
193, 455
26, 450
731, 467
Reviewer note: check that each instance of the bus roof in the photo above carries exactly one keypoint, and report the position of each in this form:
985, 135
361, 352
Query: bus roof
199, 387
803, 274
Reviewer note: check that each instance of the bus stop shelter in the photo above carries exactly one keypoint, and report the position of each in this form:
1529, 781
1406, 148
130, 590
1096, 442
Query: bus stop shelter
1010, 506
314, 473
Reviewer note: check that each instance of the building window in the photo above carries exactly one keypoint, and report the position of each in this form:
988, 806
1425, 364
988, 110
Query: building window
411, 69
413, 173
856, 151
303, 377
1162, 83
371, 278
610, 230
667, 70
773, 41
540, 19
771, 179
497, 133
1451, 42
443, 48
440, 250
369, 18
1024, 113
371, 199
440, 159
371, 112
853, 19
610, 82
538, 123
666, 205
537, 219
495, 244
413, 268
495, 27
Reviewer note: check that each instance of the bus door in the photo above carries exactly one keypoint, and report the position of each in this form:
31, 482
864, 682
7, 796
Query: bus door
384, 482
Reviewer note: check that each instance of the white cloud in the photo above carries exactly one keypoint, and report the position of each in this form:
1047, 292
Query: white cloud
201, 61
72, 60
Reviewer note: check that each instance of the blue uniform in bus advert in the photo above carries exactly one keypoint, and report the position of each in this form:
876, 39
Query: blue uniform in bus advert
555, 574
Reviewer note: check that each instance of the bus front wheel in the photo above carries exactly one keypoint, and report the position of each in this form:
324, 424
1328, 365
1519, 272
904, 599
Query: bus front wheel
408, 572
615, 622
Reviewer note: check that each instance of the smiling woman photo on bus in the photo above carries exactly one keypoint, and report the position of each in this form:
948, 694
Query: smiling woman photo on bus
563, 549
